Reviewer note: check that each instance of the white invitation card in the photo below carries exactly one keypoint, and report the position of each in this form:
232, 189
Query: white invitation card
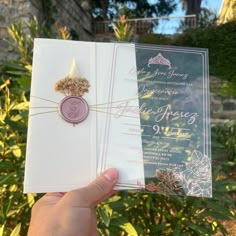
60, 155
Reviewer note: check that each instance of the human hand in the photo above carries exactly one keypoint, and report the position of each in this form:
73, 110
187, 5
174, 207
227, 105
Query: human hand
72, 213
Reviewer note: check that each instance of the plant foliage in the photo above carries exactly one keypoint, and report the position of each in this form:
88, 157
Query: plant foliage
122, 30
137, 8
220, 41
13, 130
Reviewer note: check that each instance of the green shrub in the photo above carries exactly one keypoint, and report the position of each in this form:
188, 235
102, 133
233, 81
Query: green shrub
226, 135
220, 41
15, 206
155, 39
147, 214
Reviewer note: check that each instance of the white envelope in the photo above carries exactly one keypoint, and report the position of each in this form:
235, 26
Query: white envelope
61, 156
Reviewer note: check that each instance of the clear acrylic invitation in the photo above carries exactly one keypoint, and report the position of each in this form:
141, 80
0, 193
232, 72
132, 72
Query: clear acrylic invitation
174, 114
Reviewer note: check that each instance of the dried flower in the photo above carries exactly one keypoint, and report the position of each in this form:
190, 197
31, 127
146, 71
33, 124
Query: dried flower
72, 86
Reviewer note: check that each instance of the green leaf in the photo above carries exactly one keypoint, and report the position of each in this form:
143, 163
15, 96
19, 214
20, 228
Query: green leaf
19, 126
6, 166
129, 229
16, 211
16, 230
213, 214
30, 199
124, 204
114, 198
197, 228
25, 83
18, 73
125, 225
14, 65
1, 146
225, 185
105, 213
16, 151
177, 230
222, 229
8, 179
21, 106
229, 163
219, 208
2, 229
160, 227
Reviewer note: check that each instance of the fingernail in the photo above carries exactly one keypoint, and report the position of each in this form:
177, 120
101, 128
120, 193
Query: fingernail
111, 174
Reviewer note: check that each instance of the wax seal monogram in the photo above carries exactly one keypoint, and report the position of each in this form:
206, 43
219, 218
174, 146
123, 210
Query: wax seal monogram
73, 108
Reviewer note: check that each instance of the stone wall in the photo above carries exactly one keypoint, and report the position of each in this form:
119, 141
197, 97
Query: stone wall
12, 11
75, 14
223, 108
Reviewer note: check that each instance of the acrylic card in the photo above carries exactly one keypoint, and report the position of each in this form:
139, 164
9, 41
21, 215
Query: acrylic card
174, 114
169, 113
61, 155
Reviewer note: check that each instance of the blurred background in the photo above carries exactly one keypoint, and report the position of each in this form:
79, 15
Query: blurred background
192, 23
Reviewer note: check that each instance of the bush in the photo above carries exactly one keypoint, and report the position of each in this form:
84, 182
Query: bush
220, 41
155, 39
226, 135
15, 206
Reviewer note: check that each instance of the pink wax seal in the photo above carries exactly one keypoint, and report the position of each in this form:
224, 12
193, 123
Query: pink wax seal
73, 109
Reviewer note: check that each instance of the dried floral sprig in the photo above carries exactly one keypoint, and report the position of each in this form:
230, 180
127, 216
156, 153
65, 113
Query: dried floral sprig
167, 182
72, 86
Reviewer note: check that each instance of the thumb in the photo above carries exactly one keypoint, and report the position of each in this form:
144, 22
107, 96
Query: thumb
97, 191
